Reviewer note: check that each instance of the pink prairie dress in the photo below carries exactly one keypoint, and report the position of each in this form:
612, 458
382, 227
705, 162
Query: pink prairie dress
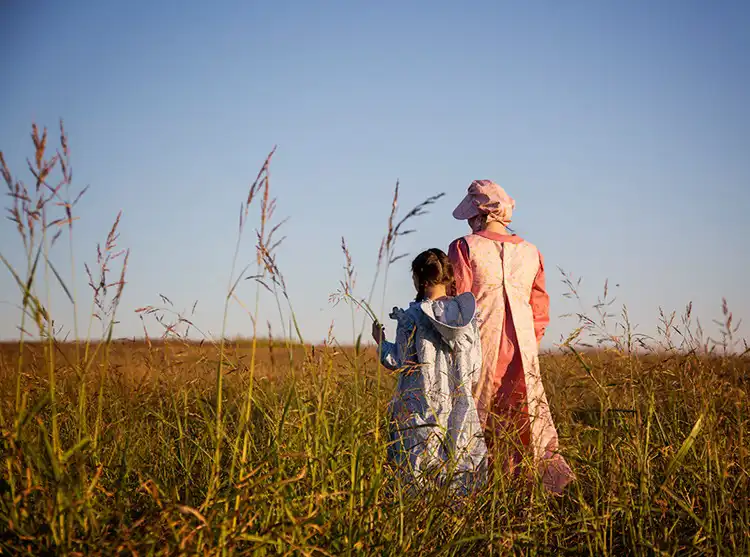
506, 275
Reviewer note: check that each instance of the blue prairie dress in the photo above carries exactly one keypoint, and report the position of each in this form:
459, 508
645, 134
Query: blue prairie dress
435, 433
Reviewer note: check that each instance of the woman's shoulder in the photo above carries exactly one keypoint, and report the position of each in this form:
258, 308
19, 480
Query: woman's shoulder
457, 243
529, 246
486, 235
465, 243
528, 250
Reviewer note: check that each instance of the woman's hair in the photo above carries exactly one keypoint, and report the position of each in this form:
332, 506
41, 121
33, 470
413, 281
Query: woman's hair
430, 268
480, 223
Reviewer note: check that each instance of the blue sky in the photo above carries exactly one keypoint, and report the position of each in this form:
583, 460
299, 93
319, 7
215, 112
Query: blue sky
621, 128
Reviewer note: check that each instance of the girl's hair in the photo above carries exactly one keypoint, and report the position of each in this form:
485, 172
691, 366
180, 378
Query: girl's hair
430, 268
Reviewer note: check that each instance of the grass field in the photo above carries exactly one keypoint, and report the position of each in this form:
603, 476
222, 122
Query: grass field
659, 444
170, 447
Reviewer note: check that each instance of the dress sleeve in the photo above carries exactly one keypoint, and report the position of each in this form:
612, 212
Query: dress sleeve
401, 354
540, 302
458, 253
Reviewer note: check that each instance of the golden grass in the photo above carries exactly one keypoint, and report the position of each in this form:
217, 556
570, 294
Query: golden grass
312, 471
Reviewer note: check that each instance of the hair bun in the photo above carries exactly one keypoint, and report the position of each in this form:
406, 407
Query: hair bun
430, 268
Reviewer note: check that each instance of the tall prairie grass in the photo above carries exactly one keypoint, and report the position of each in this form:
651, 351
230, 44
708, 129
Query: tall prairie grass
168, 446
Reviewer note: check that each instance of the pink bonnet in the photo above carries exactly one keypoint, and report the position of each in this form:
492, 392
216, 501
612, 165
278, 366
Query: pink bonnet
485, 197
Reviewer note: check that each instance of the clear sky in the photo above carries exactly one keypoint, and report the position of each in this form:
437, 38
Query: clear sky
622, 129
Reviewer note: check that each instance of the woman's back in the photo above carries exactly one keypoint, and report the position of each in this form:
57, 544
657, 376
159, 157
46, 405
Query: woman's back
506, 274
501, 268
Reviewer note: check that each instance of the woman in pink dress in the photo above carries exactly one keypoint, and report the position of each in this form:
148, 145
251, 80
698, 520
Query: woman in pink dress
506, 275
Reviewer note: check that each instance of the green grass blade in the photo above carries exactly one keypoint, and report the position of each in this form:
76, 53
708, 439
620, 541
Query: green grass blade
684, 449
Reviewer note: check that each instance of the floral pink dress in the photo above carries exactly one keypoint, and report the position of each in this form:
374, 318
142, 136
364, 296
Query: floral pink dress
506, 275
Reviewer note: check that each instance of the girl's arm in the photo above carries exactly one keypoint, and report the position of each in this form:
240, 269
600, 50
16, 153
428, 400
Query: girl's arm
458, 253
540, 302
400, 354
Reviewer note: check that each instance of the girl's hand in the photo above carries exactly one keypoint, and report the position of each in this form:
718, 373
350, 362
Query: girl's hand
378, 332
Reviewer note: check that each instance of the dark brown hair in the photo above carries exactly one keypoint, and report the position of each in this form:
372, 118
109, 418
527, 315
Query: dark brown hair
430, 268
